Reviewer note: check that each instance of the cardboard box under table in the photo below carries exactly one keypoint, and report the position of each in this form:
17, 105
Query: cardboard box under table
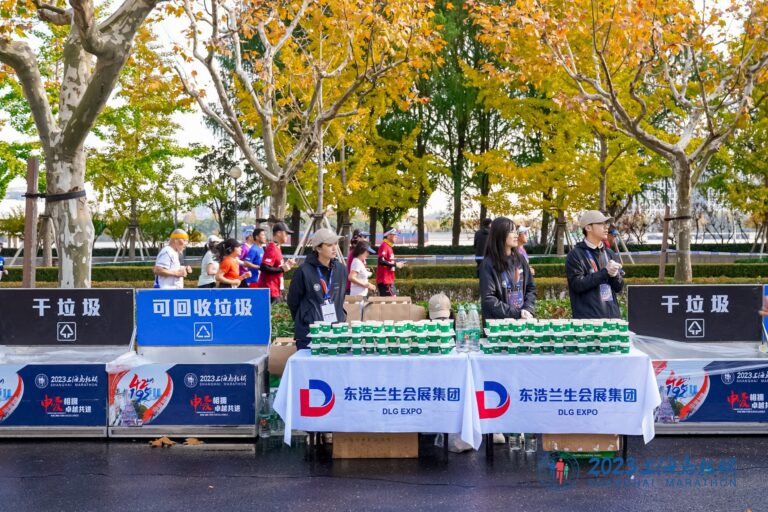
200, 367
379, 394
54, 347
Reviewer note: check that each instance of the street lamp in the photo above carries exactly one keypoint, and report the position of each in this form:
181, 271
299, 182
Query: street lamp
235, 172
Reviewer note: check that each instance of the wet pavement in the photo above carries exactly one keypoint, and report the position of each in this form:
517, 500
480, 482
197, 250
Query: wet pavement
670, 473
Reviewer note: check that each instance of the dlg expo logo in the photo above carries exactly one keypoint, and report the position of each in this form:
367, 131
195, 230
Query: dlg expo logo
316, 411
487, 412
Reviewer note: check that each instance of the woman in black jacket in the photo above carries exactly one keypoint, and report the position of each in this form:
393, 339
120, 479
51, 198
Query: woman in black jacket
318, 287
507, 289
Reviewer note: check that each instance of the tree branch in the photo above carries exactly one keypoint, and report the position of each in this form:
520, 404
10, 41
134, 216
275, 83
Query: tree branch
90, 36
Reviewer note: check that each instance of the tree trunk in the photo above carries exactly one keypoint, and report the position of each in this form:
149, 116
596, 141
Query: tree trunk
456, 228
603, 172
545, 222
560, 233
682, 171
373, 214
295, 226
71, 220
420, 218
278, 201
343, 225
132, 231
484, 190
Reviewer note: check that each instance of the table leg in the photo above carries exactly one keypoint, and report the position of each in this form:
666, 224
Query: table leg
489, 446
445, 445
624, 447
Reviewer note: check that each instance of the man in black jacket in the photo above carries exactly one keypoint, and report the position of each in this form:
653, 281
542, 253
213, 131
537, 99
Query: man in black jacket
317, 288
481, 239
594, 274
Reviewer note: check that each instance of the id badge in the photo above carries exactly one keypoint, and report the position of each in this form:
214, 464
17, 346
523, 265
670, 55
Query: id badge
329, 312
606, 295
515, 299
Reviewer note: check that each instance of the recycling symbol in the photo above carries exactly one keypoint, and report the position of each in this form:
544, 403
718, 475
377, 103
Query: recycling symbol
694, 328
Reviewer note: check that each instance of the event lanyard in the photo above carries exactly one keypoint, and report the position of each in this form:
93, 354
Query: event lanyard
518, 279
592, 261
324, 284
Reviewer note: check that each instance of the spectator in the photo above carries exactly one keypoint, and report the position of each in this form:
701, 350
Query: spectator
507, 289
357, 235
3, 271
481, 239
522, 239
317, 288
272, 265
255, 255
440, 307
168, 270
359, 273
209, 267
229, 263
385, 269
594, 275
245, 265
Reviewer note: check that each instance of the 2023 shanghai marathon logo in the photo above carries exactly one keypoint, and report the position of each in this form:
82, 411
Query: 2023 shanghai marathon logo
562, 470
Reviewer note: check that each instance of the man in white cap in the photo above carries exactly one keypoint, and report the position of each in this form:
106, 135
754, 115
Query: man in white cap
318, 287
593, 272
168, 270
209, 267
385, 269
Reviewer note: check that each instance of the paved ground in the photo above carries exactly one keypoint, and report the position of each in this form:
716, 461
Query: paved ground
129, 475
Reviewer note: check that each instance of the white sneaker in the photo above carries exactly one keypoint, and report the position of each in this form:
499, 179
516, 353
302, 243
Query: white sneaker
499, 439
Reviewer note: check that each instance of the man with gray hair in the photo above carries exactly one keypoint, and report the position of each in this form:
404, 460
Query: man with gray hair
168, 270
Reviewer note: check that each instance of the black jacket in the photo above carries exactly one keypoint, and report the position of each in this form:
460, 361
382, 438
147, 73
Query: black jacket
584, 283
305, 294
493, 292
481, 239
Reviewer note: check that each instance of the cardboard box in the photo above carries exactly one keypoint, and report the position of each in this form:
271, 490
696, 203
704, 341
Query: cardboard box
382, 308
278, 353
580, 442
354, 445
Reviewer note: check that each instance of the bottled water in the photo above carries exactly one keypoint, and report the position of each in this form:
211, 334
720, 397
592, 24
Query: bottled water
276, 424
514, 442
474, 328
461, 330
530, 443
265, 413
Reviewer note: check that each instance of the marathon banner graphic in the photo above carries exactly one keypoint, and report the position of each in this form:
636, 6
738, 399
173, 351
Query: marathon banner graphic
64, 395
183, 394
712, 391
428, 394
203, 316
565, 395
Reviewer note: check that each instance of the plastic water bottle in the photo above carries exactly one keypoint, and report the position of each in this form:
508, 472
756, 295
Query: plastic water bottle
461, 330
276, 424
515, 443
474, 328
265, 414
530, 443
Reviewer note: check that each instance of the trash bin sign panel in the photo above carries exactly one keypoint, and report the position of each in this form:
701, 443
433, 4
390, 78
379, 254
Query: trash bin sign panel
183, 394
66, 317
71, 395
203, 317
696, 313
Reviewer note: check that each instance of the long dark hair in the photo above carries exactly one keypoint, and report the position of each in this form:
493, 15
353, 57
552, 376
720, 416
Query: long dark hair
359, 248
497, 242
226, 247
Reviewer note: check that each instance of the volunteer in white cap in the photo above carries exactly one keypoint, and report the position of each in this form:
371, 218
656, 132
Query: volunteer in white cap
594, 273
318, 287
209, 267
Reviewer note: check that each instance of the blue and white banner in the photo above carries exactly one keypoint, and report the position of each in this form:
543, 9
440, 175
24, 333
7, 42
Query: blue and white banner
378, 394
236, 316
597, 394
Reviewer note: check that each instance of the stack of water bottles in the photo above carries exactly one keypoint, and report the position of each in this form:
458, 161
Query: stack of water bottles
269, 422
468, 329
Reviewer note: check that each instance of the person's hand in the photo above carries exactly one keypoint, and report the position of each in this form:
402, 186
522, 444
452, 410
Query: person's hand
613, 268
525, 314
762, 312
188, 269
182, 272
400, 264
372, 287
533, 271
245, 276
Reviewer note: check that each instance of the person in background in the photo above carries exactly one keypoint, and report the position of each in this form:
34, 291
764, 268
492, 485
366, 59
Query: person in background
209, 267
594, 275
507, 289
359, 273
385, 269
357, 235
246, 265
3, 271
522, 239
440, 307
168, 270
272, 265
255, 255
317, 287
481, 239
229, 264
